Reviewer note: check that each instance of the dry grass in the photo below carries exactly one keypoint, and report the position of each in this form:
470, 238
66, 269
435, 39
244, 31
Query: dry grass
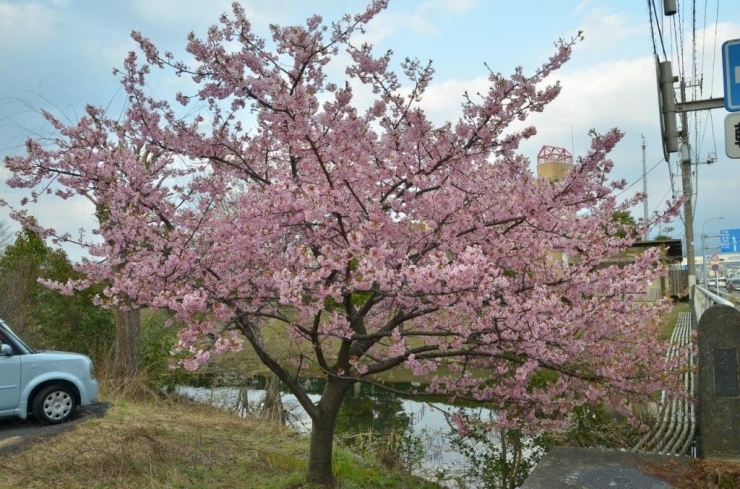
150, 445
178, 445
698, 474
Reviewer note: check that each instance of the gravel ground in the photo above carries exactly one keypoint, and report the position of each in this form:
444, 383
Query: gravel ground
18, 434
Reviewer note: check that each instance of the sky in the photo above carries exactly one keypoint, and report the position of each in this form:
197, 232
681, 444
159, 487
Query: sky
59, 55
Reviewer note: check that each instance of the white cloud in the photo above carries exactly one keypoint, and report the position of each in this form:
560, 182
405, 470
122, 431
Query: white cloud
25, 23
195, 13
443, 100
452, 6
423, 19
604, 30
599, 96
618, 91
581, 6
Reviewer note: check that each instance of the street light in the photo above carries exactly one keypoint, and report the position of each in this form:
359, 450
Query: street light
704, 255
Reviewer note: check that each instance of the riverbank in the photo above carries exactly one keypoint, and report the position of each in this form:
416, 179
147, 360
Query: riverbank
177, 444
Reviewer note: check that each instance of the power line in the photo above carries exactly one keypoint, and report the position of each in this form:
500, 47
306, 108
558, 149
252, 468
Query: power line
704, 37
653, 10
714, 51
691, 75
641, 178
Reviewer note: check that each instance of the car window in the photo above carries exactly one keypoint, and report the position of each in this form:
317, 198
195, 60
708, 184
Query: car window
4, 340
7, 332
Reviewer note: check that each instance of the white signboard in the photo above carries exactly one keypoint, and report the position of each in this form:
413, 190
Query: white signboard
732, 135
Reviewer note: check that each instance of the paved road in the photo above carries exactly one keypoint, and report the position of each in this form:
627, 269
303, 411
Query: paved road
18, 434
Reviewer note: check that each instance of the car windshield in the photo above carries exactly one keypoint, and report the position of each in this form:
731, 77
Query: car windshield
9, 332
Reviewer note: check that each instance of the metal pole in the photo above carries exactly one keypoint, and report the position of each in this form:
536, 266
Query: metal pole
704, 257
704, 254
644, 190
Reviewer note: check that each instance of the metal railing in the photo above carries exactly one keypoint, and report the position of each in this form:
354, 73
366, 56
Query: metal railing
704, 299
676, 419
676, 424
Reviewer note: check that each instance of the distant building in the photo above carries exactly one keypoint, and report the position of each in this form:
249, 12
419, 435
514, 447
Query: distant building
553, 163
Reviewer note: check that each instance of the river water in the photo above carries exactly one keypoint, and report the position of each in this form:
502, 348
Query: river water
367, 409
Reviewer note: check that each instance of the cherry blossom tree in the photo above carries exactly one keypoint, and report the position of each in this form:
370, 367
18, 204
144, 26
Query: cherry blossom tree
366, 236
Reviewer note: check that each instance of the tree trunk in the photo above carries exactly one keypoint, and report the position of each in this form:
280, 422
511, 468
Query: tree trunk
272, 403
127, 354
322, 432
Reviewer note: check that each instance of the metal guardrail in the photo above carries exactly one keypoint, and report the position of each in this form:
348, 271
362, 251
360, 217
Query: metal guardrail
704, 299
676, 426
674, 431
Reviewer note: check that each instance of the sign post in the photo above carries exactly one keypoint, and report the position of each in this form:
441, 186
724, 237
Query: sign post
731, 74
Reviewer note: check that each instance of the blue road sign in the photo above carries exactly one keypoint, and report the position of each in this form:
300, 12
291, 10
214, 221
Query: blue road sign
729, 240
731, 74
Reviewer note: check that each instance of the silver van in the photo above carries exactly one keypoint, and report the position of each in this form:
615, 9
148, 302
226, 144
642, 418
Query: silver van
49, 385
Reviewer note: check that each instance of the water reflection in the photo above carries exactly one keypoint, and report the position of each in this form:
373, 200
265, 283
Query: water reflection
366, 409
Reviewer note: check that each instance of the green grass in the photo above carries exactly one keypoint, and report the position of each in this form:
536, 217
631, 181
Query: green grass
670, 319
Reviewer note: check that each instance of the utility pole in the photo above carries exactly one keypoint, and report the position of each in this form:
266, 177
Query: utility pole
688, 208
668, 109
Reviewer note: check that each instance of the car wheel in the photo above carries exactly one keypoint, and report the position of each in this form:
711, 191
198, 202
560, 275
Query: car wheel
54, 404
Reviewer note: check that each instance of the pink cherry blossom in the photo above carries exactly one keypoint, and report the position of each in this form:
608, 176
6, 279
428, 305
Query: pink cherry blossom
374, 238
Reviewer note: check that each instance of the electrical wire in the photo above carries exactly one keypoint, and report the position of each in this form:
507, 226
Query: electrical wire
671, 176
641, 178
652, 29
704, 36
660, 204
695, 85
676, 32
707, 124
714, 51
677, 22
654, 10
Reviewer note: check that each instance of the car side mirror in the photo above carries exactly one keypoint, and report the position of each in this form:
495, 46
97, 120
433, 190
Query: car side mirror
5, 350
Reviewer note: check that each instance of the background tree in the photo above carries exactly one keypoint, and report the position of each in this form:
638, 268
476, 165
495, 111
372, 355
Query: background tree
46, 318
20, 267
93, 186
367, 237
625, 225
